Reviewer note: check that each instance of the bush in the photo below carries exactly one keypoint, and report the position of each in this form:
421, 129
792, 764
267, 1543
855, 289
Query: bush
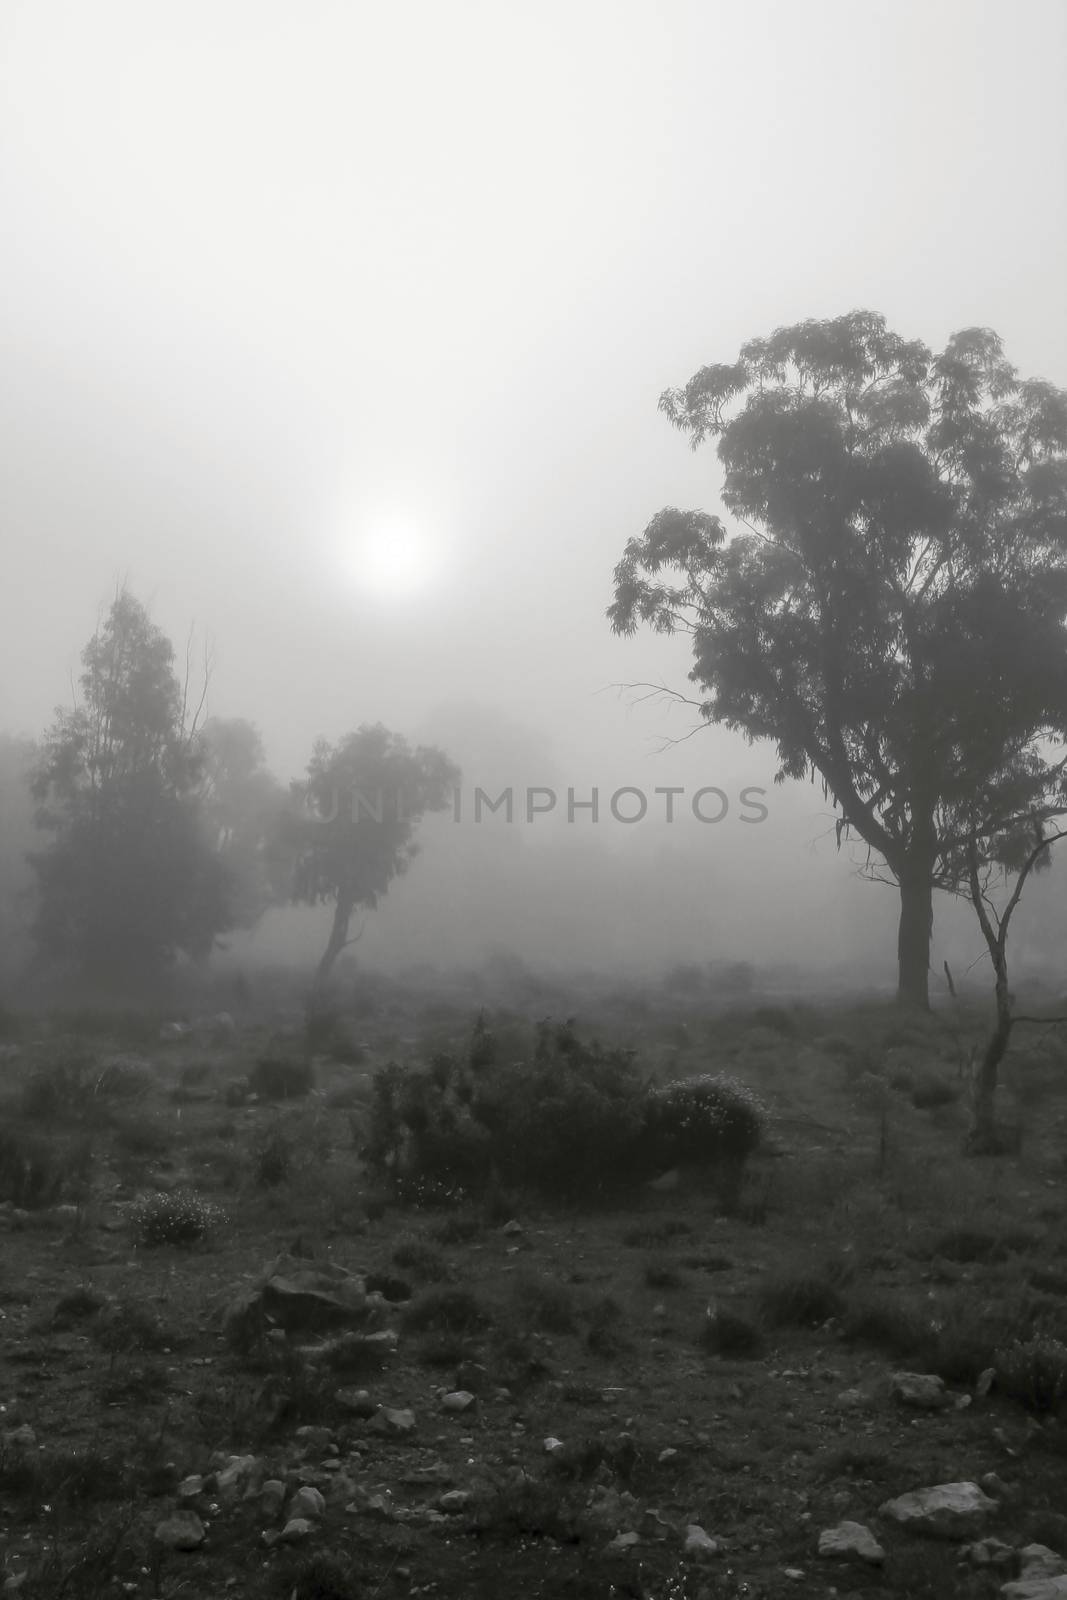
272, 1161
36, 1171
805, 1300
448, 1309
930, 1093
281, 1078
1034, 1371
725, 1333
711, 1122
179, 1218
61, 1087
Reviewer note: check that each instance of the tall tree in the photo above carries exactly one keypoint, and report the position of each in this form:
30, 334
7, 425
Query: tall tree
129, 879
353, 830
892, 612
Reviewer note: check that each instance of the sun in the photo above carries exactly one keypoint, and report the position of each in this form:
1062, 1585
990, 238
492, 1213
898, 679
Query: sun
395, 558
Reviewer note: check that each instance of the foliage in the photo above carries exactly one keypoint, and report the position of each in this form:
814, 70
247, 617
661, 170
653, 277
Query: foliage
178, 1218
281, 1078
575, 1121
242, 802
38, 1170
129, 879
1034, 1371
711, 1121
349, 829
892, 615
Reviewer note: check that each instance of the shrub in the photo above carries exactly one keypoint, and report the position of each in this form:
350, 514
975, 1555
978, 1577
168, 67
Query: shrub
60, 1087
272, 1161
1034, 1371
178, 1218
281, 1078
725, 1333
143, 1137
930, 1093
711, 1122
448, 1309
415, 1254
804, 1300
545, 1303
36, 1171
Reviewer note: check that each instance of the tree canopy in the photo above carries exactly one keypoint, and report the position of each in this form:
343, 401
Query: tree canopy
352, 828
891, 612
129, 879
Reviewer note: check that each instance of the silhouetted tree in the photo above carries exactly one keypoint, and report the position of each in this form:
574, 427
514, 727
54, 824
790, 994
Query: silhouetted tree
892, 615
351, 830
129, 879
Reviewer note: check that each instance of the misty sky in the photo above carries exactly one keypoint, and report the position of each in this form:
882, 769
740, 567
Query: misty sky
337, 329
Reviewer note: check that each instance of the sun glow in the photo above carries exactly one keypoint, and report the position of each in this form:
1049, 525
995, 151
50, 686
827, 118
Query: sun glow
394, 559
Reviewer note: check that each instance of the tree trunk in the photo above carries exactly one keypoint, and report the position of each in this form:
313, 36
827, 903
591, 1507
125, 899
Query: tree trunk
984, 1138
914, 935
342, 917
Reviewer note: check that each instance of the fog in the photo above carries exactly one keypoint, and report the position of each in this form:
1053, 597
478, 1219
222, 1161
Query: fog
337, 332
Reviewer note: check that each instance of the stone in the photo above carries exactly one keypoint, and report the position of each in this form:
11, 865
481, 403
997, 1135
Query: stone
623, 1542
234, 1478
393, 1420
307, 1502
944, 1511
923, 1390
851, 1541
454, 1500
303, 1298
512, 1229
1036, 1588
272, 1497
459, 1400
699, 1544
355, 1401
1038, 1561
182, 1531
190, 1486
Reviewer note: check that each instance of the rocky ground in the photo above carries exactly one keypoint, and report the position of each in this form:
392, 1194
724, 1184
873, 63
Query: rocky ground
320, 1393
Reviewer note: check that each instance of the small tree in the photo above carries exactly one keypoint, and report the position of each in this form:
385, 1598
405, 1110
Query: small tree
129, 879
1014, 854
351, 829
892, 615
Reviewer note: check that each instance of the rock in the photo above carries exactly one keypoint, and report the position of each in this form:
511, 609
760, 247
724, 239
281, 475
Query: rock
698, 1544
512, 1229
851, 1541
303, 1298
945, 1511
985, 1382
295, 1531
995, 1486
393, 1420
1036, 1588
1038, 1561
272, 1497
453, 1501
172, 1031
989, 1552
553, 1446
235, 1476
190, 1487
458, 1400
355, 1401
669, 1454
623, 1542
852, 1400
182, 1531
924, 1390
307, 1502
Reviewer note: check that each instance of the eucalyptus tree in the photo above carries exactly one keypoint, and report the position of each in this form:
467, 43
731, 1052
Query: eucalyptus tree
890, 609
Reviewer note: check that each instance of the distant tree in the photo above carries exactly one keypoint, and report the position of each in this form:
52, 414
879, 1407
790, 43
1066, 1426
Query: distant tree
17, 840
129, 879
893, 614
242, 803
351, 829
